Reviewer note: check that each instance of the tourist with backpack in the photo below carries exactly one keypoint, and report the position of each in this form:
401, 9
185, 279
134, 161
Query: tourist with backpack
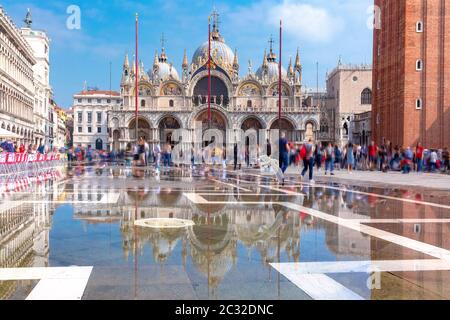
308, 160
329, 159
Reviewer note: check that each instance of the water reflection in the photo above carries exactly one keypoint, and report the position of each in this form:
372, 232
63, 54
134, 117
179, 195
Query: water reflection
25, 228
234, 239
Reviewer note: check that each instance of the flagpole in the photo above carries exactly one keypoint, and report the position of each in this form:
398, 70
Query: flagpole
137, 77
209, 71
279, 81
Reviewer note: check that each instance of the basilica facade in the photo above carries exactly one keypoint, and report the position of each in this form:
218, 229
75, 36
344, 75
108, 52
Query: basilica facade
169, 100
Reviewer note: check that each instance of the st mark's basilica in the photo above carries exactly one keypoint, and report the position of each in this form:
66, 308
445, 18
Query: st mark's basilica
169, 101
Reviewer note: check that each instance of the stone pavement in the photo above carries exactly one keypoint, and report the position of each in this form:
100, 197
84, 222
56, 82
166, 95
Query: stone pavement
375, 178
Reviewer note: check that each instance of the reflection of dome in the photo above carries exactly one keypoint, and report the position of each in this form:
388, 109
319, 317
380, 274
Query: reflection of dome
215, 265
164, 241
168, 197
138, 195
251, 228
214, 235
220, 52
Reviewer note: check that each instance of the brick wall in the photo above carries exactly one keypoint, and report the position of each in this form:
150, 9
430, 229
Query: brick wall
395, 116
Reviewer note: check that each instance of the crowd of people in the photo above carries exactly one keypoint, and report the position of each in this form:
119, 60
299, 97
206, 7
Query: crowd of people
13, 147
384, 158
307, 157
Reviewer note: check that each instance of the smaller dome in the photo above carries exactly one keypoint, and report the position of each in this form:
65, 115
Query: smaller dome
272, 71
167, 71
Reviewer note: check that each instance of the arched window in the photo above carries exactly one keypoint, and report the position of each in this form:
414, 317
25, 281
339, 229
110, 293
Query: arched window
171, 103
419, 65
419, 104
419, 26
142, 103
366, 96
249, 103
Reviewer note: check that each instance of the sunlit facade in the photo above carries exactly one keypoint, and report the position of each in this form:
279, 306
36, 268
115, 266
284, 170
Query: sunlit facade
169, 100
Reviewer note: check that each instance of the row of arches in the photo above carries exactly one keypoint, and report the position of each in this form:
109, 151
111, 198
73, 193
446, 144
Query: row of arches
167, 124
23, 132
219, 87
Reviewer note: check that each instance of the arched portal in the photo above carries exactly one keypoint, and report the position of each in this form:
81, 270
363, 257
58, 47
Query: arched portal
219, 92
284, 126
218, 121
143, 129
251, 123
99, 144
166, 127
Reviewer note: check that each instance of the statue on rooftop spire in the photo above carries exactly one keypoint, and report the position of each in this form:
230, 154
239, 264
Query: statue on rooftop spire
28, 20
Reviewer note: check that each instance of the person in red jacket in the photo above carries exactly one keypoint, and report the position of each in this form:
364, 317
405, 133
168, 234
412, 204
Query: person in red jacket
419, 157
373, 151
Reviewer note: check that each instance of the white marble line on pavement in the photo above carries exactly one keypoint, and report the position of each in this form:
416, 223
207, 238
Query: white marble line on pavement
55, 283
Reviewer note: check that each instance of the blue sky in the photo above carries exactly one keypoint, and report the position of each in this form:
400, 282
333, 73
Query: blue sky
322, 29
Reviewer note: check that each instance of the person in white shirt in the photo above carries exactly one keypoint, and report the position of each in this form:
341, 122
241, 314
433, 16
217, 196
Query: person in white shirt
157, 155
433, 160
147, 152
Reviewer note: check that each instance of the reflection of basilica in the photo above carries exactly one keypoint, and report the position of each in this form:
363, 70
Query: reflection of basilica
169, 101
212, 244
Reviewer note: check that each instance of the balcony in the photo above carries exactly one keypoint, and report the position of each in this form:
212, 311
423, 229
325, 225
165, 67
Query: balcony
202, 100
253, 109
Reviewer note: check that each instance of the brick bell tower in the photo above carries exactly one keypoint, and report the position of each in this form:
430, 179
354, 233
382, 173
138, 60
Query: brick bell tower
411, 72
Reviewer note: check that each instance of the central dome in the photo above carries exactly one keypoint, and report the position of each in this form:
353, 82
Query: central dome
220, 53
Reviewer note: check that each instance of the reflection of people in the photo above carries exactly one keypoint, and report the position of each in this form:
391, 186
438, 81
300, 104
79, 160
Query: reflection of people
284, 153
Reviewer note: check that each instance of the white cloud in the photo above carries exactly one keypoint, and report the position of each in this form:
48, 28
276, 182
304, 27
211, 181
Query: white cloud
302, 22
305, 21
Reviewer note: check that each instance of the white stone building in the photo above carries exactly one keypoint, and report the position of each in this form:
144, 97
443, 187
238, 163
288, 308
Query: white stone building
16, 81
168, 100
90, 112
40, 45
349, 90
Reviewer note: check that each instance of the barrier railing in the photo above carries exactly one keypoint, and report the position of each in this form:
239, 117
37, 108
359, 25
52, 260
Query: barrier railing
20, 163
